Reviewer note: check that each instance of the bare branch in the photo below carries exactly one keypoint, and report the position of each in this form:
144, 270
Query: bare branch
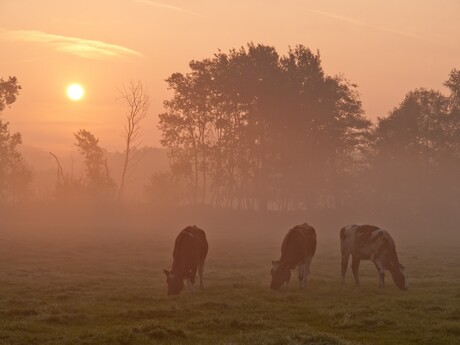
60, 171
136, 97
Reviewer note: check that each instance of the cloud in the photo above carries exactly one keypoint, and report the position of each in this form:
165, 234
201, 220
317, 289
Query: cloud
84, 48
367, 25
166, 6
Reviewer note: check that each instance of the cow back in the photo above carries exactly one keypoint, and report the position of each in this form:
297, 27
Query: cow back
298, 244
371, 240
190, 248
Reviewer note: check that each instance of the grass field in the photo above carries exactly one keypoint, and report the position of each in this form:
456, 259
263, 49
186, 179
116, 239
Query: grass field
111, 290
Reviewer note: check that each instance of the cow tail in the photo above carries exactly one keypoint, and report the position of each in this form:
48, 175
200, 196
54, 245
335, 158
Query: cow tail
343, 234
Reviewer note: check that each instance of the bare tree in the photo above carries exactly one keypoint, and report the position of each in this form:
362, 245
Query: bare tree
61, 177
136, 98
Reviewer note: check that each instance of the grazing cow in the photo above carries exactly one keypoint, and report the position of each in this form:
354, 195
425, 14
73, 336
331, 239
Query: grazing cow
368, 242
298, 248
190, 250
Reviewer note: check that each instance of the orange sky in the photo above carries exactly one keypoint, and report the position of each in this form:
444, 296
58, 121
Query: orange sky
386, 47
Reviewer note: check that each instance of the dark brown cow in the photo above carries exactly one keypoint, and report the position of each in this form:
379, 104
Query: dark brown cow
298, 248
368, 242
190, 251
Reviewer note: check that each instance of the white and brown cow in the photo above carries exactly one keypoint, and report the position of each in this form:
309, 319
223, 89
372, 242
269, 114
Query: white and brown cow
368, 242
297, 250
189, 255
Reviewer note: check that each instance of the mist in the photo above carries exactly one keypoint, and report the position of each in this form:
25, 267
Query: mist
254, 132
253, 143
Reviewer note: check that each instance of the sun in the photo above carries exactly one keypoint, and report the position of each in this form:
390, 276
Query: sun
75, 92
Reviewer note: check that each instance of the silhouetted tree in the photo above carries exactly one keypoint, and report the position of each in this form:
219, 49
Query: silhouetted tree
415, 130
98, 180
15, 177
136, 97
453, 83
416, 160
265, 129
9, 90
452, 130
185, 124
325, 124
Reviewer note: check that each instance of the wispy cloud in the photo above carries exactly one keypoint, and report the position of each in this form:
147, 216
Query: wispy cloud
166, 6
367, 25
84, 48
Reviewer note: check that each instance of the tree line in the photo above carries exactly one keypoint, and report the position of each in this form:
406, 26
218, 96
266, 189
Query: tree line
253, 129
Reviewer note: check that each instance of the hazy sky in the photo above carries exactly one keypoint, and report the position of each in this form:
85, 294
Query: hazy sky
386, 47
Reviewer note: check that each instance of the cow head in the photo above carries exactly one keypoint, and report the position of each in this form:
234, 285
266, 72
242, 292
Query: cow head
399, 274
174, 281
280, 274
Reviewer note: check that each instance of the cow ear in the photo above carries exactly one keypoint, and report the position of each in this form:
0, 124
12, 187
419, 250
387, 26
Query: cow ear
166, 272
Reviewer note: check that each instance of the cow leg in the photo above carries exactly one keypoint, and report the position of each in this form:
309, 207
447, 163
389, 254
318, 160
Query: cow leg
200, 273
301, 274
305, 272
355, 269
192, 278
345, 257
190, 286
380, 269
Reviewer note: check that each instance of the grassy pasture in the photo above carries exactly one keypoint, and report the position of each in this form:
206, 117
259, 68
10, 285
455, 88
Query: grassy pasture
110, 289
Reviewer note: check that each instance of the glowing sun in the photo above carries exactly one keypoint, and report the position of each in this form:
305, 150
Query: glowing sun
75, 92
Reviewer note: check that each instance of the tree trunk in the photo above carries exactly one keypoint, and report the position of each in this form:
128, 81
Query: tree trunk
125, 168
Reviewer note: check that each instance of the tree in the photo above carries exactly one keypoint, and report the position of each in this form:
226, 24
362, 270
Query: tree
453, 84
416, 159
325, 123
136, 97
415, 130
15, 178
185, 124
14, 175
98, 180
9, 90
263, 128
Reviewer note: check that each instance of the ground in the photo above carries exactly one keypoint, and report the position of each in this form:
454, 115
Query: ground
111, 290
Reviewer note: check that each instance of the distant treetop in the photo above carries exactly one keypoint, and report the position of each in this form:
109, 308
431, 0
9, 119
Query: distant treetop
9, 89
